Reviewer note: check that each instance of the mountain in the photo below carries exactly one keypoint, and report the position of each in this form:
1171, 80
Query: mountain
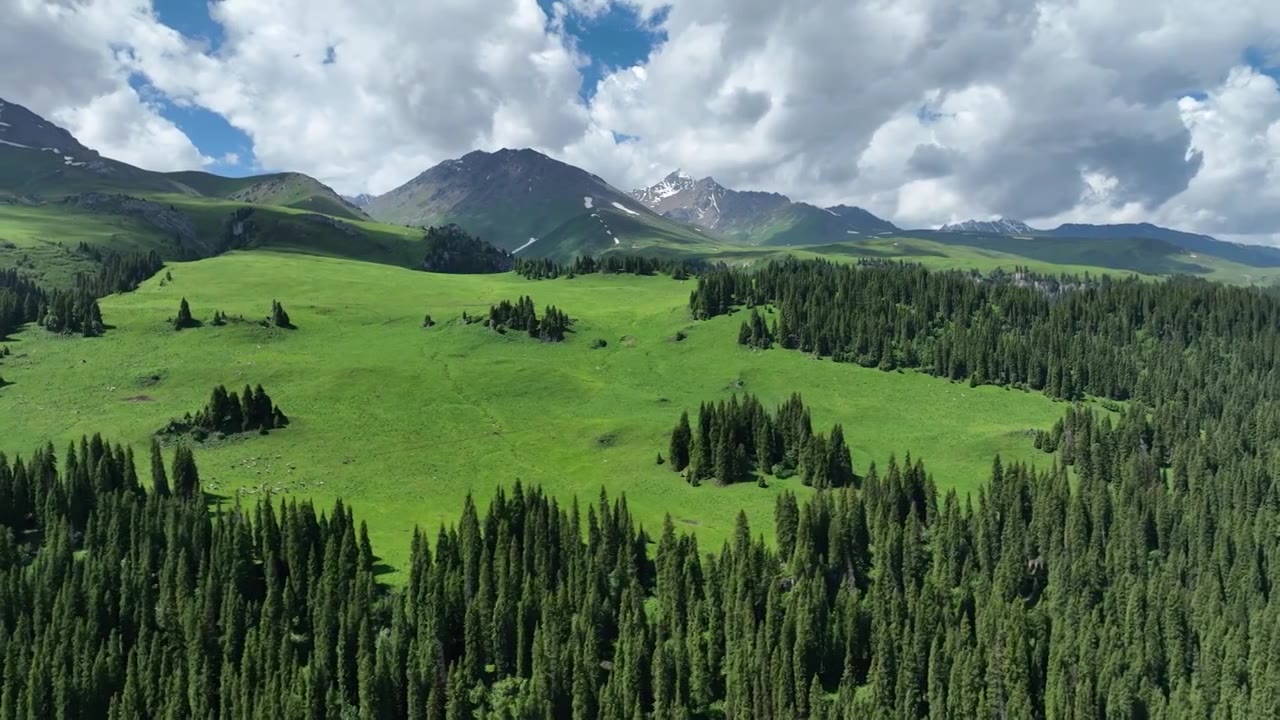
758, 218
999, 226
360, 200
528, 203
1254, 255
39, 160
1134, 239
288, 189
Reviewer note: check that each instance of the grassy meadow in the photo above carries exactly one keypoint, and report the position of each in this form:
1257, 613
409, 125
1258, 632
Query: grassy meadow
403, 422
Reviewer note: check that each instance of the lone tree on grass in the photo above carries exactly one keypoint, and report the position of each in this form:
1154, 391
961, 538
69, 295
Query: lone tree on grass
279, 317
184, 319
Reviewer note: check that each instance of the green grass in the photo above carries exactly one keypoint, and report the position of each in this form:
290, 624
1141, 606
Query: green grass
403, 422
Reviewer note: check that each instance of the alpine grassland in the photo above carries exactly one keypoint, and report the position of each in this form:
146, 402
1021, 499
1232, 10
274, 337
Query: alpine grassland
403, 421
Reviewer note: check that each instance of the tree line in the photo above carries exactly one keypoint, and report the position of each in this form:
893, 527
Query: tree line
521, 316
1113, 338
734, 438
609, 264
227, 413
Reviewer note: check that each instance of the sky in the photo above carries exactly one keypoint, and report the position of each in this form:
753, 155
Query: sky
922, 111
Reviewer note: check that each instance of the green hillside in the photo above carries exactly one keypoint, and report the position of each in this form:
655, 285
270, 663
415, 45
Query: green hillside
404, 421
293, 190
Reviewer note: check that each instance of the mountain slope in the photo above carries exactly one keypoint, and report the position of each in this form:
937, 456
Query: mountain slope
526, 202
759, 218
288, 189
38, 159
1254, 255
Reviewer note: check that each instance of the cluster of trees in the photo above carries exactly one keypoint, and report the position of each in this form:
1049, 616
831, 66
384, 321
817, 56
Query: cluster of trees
117, 272
449, 249
1129, 586
547, 269
20, 301
734, 438
73, 311
1110, 338
521, 317
756, 333
67, 312
184, 319
228, 414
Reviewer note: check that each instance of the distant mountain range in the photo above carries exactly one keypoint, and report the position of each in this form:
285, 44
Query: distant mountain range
533, 205
1255, 255
757, 218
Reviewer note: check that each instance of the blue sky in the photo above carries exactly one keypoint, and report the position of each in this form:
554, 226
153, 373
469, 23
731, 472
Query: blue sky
616, 38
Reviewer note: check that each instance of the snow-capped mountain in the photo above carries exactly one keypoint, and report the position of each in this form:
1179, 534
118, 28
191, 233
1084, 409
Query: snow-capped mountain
756, 217
360, 200
999, 226
655, 196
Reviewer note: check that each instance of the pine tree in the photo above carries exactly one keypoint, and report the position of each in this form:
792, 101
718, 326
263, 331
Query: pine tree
279, 317
681, 437
186, 479
184, 319
159, 481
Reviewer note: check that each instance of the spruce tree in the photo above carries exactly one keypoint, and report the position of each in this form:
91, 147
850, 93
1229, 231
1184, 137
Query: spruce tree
681, 437
186, 479
279, 317
159, 481
184, 319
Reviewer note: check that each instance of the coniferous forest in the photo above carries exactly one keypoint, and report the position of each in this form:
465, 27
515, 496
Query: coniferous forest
1132, 573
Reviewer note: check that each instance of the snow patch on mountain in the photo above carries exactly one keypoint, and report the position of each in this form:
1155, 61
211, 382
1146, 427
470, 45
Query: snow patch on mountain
998, 226
531, 241
625, 209
586, 202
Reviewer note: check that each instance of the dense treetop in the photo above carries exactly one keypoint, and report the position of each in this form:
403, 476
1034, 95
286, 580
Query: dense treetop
449, 249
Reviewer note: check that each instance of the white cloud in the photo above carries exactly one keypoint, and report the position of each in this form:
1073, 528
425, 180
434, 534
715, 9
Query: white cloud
230, 159
56, 59
122, 126
928, 111
924, 111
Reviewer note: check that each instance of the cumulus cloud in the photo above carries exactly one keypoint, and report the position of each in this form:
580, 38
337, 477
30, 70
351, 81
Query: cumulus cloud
923, 111
930, 111
57, 59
